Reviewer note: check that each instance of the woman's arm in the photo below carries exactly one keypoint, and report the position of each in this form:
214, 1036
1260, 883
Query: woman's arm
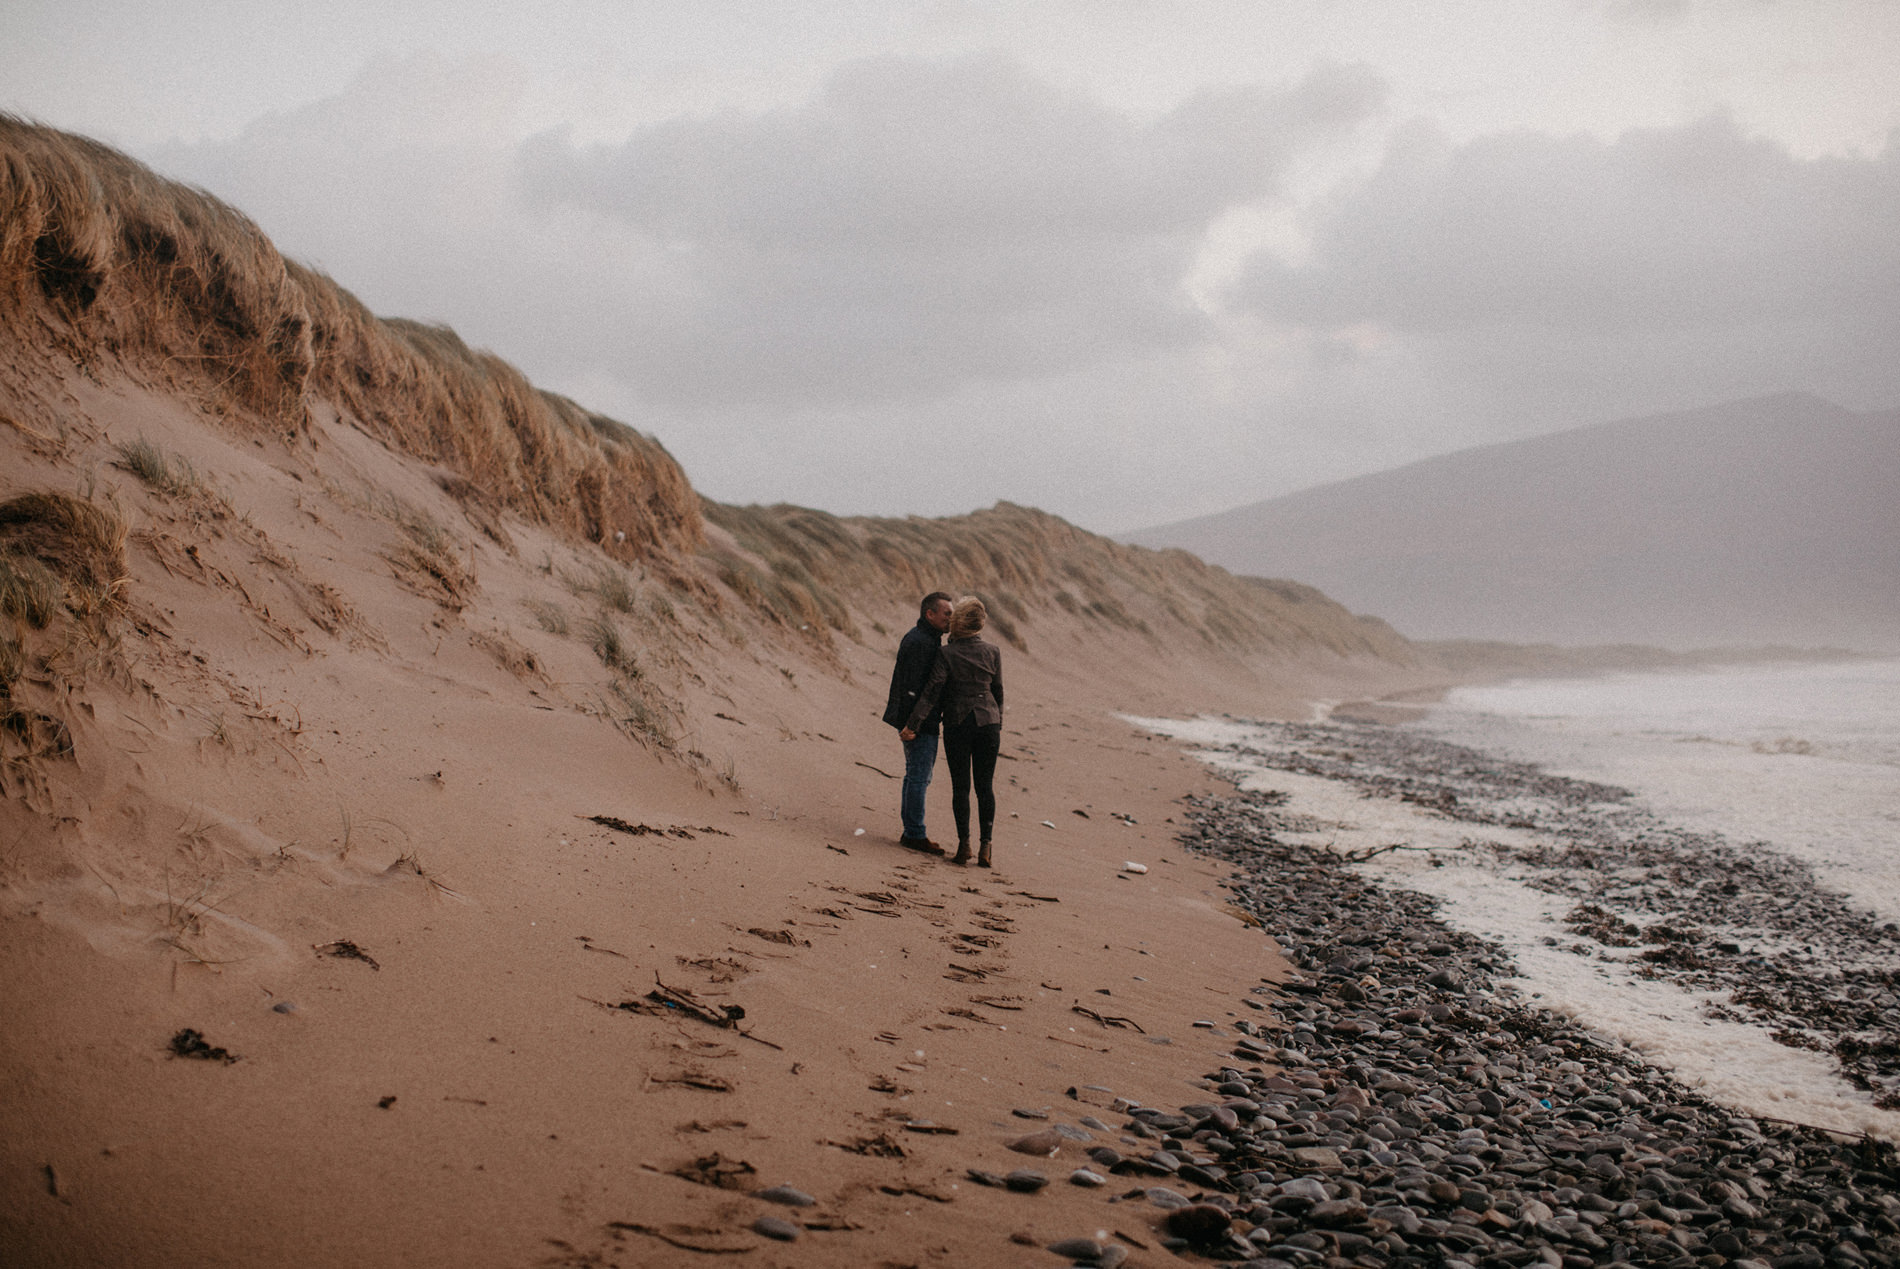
996, 681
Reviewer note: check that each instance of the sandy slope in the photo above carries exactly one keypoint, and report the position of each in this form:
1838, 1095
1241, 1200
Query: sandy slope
300, 738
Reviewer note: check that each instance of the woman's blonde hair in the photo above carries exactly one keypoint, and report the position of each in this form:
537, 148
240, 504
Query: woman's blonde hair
967, 617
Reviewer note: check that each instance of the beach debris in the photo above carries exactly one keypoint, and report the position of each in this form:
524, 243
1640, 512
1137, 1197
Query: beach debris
1132, 866
190, 1043
930, 1128
686, 1002
588, 945
1012, 1004
707, 1240
344, 949
881, 1146
284, 1006
1077, 811
1106, 1020
857, 832
1039, 898
681, 831
785, 937
386, 1101
1048, 823
913, 1190
1025, 1181
1087, 1178
881, 771
716, 1171
694, 1079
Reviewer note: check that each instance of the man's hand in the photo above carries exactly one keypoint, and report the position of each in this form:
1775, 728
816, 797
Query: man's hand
907, 734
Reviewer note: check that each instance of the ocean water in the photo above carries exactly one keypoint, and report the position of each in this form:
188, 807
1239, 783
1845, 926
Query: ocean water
1795, 760
1804, 759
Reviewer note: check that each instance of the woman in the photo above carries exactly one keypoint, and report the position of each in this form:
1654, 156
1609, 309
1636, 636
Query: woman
968, 679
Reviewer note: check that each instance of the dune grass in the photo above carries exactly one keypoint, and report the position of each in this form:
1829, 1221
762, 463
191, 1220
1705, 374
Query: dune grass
801, 566
100, 257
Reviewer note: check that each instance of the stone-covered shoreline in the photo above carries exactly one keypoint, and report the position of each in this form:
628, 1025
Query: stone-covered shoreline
1390, 1105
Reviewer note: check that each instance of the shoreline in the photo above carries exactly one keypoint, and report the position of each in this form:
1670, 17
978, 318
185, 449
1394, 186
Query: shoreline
1419, 1117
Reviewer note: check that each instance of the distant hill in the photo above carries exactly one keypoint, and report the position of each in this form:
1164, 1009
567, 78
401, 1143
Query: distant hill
1774, 520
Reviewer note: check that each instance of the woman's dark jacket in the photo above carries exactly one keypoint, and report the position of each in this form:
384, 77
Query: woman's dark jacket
916, 656
968, 680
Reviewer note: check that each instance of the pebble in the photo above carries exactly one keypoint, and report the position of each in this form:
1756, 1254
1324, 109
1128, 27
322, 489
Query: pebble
284, 1006
1198, 1222
1044, 1143
1082, 1176
1025, 1180
773, 1227
1077, 1248
785, 1195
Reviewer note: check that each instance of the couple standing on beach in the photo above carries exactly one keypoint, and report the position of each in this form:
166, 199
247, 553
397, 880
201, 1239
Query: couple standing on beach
957, 686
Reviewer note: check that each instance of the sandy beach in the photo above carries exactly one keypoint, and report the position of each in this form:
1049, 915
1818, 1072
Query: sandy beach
383, 836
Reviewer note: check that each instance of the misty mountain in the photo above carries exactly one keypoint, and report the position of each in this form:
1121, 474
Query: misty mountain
1775, 520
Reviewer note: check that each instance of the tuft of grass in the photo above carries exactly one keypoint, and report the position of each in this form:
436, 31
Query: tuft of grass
432, 559
30, 591
550, 617
641, 717
12, 660
170, 474
78, 540
611, 587
603, 635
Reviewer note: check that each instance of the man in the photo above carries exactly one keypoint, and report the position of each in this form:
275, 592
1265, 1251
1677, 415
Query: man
916, 657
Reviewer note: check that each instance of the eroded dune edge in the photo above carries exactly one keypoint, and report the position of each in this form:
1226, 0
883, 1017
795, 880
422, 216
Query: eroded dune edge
431, 833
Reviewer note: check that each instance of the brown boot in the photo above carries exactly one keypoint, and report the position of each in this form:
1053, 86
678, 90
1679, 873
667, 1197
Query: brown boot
963, 853
983, 856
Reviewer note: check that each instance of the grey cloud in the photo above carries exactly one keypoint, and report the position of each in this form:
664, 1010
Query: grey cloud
921, 224
1663, 229
1648, 10
1516, 283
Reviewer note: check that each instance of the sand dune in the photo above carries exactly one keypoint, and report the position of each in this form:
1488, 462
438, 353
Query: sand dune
400, 730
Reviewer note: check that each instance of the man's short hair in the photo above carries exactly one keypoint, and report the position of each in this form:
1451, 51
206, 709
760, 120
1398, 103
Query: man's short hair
931, 601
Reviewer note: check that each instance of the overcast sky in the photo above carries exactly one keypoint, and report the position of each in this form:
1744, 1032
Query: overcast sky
1127, 260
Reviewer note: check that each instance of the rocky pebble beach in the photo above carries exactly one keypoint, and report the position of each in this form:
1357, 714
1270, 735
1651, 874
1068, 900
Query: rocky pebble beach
1394, 1104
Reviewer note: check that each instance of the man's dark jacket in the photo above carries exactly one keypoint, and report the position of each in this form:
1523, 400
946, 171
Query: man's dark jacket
916, 657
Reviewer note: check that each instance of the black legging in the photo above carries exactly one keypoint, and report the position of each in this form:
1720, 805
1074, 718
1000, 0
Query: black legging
971, 749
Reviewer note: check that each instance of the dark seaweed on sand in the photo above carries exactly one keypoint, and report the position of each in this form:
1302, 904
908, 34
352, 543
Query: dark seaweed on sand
189, 1043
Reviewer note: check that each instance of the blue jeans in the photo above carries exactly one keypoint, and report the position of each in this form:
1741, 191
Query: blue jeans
920, 761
